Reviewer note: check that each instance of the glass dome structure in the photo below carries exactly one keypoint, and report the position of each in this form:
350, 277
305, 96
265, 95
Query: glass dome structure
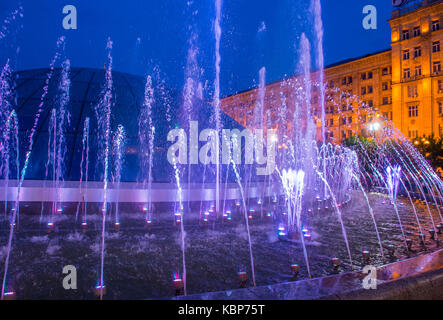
85, 94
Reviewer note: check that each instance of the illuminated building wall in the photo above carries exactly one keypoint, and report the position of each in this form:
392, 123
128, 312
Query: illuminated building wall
403, 85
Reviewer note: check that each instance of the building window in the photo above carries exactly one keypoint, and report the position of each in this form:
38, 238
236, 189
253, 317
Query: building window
413, 111
385, 100
331, 122
369, 75
343, 121
405, 54
370, 103
363, 91
406, 73
343, 81
363, 76
413, 134
385, 86
417, 52
436, 46
435, 25
363, 119
405, 35
349, 80
418, 71
412, 91
349, 120
417, 31
385, 71
370, 89
436, 68
440, 86
440, 108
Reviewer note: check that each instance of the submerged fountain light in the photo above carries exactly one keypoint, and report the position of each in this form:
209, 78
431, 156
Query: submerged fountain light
409, 243
282, 230
178, 217
242, 276
335, 262
9, 295
422, 238
295, 269
432, 233
99, 290
391, 249
366, 255
177, 283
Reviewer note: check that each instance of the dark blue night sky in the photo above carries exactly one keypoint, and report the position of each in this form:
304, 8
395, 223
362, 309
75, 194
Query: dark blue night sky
149, 33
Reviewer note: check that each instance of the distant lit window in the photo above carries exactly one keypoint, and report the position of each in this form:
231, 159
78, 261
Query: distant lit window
405, 35
413, 134
413, 111
418, 71
363, 91
417, 31
406, 73
417, 52
412, 91
405, 54
435, 25
436, 67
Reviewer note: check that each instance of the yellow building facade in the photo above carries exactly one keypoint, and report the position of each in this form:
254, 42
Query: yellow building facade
403, 85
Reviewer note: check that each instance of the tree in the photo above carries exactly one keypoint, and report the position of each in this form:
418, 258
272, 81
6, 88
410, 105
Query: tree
432, 149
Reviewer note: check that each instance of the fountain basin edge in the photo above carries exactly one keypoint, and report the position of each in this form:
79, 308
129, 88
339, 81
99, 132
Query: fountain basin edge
419, 277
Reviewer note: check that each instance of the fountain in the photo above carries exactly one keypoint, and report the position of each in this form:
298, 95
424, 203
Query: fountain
191, 205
